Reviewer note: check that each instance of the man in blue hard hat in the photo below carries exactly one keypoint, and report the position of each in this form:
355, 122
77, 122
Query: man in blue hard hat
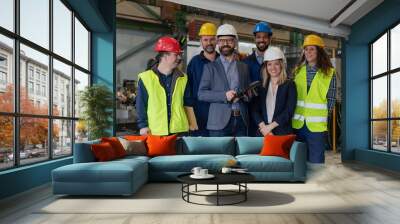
262, 36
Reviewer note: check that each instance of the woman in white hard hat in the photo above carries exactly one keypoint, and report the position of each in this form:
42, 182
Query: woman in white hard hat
272, 110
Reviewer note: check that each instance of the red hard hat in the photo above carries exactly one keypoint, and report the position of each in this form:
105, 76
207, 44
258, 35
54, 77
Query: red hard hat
167, 44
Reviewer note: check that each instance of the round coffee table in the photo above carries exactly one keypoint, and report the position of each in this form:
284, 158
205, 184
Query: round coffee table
238, 179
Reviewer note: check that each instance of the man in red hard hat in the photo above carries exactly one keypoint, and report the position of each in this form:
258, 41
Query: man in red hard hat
163, 93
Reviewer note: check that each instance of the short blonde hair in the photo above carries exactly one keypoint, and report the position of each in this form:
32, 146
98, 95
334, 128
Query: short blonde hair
266, 76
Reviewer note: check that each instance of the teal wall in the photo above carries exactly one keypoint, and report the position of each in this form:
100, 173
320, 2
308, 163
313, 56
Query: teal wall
356, 126
99, 16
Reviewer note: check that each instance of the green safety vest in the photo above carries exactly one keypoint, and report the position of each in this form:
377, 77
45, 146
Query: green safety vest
312, 106
157, 115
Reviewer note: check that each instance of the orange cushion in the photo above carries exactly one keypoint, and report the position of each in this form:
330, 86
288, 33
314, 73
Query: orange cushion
161, 145
277, 145
116, 145
103, 152
135, 137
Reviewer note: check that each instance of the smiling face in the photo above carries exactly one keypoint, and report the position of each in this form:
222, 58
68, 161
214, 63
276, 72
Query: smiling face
226, 45
274, 68
208, 43
311, 53
262, 41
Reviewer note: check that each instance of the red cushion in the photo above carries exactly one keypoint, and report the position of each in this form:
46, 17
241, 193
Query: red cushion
161, 145
277, 145
116, 145
103, 151
135, 137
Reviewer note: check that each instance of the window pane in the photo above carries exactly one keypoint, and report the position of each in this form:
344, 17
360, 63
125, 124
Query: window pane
379, 97
395, 47
81, 132
395, 138
6, 74
6, 142
62, 29
62, 89
7, 14
379, 55
62, 141
33, 140
379, 135
81, 45
81, 81
395, 95
35, 21
34, 72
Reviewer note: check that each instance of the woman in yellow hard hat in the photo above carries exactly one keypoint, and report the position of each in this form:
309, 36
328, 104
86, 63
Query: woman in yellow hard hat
316, 91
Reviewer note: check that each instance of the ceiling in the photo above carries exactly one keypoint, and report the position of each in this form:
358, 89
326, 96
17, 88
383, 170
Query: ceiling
332, 17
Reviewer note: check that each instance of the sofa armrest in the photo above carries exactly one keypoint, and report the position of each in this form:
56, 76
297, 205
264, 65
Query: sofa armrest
83, 152
298, 155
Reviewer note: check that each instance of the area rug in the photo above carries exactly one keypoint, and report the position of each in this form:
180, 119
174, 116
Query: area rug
167, 198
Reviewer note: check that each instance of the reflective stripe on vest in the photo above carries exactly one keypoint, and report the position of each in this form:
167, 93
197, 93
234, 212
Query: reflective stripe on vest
157, 114
312, 106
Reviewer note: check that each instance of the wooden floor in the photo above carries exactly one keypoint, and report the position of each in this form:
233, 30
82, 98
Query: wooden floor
377, 188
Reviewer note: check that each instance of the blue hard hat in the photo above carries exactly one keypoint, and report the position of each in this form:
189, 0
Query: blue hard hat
262, 27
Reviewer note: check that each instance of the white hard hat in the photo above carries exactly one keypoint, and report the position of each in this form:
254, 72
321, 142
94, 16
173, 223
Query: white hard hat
227, 30
274, 53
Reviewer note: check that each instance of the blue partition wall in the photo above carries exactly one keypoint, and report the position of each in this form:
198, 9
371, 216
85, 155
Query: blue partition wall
99, 15
356, 125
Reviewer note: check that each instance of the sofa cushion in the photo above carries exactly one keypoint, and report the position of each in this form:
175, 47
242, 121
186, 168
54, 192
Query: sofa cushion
112, 171
103, 152
277, 145
185, 163
134, 147
83, 152
208, 145
249, 145
116, 145
161, 145
257, 163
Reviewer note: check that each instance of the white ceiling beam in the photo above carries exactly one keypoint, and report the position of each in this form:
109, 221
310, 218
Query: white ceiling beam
269, 15
348, 12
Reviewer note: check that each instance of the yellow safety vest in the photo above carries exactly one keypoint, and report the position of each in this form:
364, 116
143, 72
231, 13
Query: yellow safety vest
157, 115
312, 106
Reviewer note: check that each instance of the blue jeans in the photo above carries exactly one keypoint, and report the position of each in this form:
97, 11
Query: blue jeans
235, 127
316, 143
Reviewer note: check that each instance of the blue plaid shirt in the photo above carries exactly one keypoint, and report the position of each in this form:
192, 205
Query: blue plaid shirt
331, 95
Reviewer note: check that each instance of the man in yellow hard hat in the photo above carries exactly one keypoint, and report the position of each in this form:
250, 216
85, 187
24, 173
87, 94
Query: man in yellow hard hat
195, 71
316, 95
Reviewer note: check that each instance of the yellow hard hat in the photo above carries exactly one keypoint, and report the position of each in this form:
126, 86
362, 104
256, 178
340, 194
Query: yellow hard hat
313, 39
208, 29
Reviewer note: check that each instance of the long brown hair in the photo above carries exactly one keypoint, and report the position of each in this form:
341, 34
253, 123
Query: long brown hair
323, 61
266, 76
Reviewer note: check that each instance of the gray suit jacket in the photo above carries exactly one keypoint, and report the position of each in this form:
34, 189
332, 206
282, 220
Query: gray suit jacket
213, 86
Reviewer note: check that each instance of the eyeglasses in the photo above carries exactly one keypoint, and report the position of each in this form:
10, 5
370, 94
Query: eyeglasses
226, 41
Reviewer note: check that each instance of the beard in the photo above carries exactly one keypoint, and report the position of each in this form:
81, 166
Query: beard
226, 50
209, 49
262, 46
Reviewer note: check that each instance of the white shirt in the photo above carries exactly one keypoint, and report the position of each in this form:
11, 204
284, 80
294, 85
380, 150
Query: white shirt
270, 101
